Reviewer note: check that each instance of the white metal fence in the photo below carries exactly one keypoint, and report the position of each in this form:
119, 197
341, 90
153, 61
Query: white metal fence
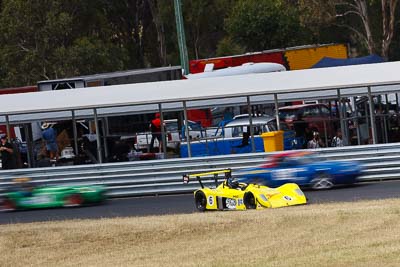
153, 177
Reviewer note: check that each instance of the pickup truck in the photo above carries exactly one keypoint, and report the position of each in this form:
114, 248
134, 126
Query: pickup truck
174, 136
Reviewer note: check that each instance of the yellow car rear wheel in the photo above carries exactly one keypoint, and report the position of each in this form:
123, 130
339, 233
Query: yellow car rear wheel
200, 201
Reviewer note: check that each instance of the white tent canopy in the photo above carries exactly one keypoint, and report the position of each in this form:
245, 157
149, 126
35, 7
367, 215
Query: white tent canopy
170, 92
176, 106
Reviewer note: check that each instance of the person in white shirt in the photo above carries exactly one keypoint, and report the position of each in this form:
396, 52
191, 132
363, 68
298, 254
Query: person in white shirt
337, 141
316, 142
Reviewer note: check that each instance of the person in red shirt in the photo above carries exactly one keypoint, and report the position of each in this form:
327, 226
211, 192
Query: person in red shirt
155, 127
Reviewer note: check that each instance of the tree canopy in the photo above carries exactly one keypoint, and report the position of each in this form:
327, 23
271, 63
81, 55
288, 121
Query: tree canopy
265, 24
46, 39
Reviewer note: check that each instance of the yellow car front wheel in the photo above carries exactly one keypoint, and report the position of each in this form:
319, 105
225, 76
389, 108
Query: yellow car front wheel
249, 201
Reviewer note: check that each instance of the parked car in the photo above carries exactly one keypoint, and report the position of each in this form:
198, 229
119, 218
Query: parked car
174, 135
234, 137
302, 168
232, 195
317, 116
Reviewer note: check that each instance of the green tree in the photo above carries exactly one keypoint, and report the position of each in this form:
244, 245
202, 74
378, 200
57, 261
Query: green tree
266, 24
204, 23
227, 47
159, 27
130, 21
54, 39
372, 23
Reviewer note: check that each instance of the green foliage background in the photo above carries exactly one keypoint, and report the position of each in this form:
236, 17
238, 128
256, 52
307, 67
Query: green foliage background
43, 39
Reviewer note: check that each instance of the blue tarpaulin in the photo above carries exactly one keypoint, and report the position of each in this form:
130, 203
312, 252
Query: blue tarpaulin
334, 62
233, 145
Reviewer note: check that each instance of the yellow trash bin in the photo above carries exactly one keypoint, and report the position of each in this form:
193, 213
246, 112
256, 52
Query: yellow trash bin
273, 141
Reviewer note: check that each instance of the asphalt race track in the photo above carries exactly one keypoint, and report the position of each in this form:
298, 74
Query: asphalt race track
179, 204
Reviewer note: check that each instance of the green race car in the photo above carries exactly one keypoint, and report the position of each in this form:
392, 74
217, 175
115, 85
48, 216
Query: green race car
23, 196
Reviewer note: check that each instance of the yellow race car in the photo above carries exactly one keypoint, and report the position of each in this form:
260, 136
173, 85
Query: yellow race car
232, 195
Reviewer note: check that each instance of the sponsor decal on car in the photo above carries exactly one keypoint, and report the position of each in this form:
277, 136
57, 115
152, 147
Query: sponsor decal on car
43, 199
283, 174
210, 200
230, 203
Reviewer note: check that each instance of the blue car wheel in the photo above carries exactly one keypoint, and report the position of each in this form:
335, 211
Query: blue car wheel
322, 181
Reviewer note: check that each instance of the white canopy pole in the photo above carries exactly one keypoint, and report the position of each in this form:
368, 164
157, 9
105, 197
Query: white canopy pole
278, 123
253, 146
372, 115
8, 128
341, 118
28, 146
187, 129
96, 123
163, 134
75, 132
104, 128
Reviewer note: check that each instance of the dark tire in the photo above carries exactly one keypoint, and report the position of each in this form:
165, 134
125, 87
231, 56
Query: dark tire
74, 200
249, 201
8, 205
322, 181
200, 201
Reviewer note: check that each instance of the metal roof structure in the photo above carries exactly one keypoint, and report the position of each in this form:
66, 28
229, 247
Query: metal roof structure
118, 99
113, 74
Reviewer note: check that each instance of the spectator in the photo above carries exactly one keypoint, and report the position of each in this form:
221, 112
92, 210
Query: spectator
49, 135
228, 115
316, 142
8, 158
308, 136
245, 138
337, 141
155, 127
300, 126
302, 131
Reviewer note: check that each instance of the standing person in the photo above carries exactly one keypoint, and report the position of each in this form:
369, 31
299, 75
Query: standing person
8, 158
337, 141
228, 115
308, 136
316, 142
301, 128
155, 127
49, 135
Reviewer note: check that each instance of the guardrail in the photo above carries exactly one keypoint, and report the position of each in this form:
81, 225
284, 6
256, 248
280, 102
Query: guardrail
153, 177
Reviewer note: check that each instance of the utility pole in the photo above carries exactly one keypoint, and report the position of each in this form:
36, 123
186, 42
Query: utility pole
181, 36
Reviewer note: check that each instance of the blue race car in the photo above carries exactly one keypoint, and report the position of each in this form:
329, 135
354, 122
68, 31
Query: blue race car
302, 168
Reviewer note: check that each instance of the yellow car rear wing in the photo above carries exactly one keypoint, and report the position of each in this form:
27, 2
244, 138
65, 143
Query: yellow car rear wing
227, 172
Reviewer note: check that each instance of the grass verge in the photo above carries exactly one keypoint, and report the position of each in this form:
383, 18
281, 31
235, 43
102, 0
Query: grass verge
363, 233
